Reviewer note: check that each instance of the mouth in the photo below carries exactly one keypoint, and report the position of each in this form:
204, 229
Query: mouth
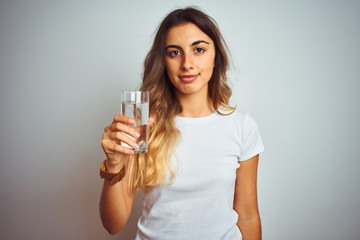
188, 78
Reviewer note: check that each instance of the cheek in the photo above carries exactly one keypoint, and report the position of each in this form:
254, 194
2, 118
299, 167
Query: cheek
169, 72
209, 62
169, 68
208, 67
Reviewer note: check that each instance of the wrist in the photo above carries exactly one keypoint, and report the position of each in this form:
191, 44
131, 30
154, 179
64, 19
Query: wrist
113, 168
113, 177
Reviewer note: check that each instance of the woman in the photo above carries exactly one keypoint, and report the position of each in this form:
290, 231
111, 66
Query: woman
193, 185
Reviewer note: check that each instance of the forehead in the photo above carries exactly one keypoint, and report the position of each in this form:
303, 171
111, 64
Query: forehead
185, 34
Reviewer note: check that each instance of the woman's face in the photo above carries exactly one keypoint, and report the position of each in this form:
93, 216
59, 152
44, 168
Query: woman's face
190, 59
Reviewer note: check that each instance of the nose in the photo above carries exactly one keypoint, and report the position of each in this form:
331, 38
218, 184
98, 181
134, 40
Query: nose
188, 62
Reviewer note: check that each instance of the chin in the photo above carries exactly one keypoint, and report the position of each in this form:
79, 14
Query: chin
191, 88
189, 91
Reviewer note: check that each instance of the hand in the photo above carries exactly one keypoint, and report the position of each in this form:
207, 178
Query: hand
115, 133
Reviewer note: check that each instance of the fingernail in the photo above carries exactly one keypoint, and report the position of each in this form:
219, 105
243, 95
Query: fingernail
136, 134
131, 151
135, 145
131, 121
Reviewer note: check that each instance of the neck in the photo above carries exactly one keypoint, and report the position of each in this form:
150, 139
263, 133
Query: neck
195, 106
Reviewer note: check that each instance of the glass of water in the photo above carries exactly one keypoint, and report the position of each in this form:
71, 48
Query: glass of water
135, 104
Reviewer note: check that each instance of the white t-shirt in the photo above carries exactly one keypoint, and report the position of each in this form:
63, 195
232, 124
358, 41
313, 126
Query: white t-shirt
199, 204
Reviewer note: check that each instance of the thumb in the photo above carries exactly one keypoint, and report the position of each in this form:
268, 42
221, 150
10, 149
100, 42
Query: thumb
151, 121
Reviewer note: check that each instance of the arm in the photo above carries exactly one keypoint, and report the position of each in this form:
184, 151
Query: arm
116, 200
245, 200
115, 205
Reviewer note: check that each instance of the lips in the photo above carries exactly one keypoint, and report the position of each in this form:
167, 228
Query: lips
188, 78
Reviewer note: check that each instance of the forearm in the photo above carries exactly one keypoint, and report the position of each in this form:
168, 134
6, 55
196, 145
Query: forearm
114, 207
250, 228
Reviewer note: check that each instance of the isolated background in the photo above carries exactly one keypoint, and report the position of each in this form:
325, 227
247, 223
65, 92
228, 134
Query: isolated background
296, 68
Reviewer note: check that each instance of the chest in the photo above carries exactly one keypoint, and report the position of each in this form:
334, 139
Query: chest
207, 158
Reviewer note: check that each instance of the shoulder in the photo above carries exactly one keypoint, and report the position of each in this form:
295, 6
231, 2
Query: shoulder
241, 123
238, 116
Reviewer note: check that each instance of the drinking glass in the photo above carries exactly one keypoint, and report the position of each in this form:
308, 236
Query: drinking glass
135, 104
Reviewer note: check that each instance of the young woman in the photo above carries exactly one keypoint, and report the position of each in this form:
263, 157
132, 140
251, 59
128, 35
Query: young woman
199, 176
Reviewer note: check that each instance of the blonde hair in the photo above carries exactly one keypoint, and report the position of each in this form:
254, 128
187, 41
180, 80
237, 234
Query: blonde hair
152, 168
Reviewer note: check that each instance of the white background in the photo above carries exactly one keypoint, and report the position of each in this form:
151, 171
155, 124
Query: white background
63, 64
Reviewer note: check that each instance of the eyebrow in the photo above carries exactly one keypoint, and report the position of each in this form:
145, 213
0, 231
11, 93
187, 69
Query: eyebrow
193, 44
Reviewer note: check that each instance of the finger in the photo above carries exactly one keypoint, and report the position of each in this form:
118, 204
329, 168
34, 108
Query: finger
121, 149
107, 128
151, 121
108, 136
123, 119
115, 127
120, 136
112, 147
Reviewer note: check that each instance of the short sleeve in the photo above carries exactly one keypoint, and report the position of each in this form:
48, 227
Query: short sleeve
251, 142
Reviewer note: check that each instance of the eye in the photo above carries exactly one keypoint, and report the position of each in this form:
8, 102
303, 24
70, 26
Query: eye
199, 50
173, 53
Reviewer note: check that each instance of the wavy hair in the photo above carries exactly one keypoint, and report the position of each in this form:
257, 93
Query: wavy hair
153, 168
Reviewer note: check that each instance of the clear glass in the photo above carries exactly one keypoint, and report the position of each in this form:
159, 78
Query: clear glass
135, 104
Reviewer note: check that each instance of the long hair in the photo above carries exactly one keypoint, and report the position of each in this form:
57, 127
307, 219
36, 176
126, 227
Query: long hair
153, 168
